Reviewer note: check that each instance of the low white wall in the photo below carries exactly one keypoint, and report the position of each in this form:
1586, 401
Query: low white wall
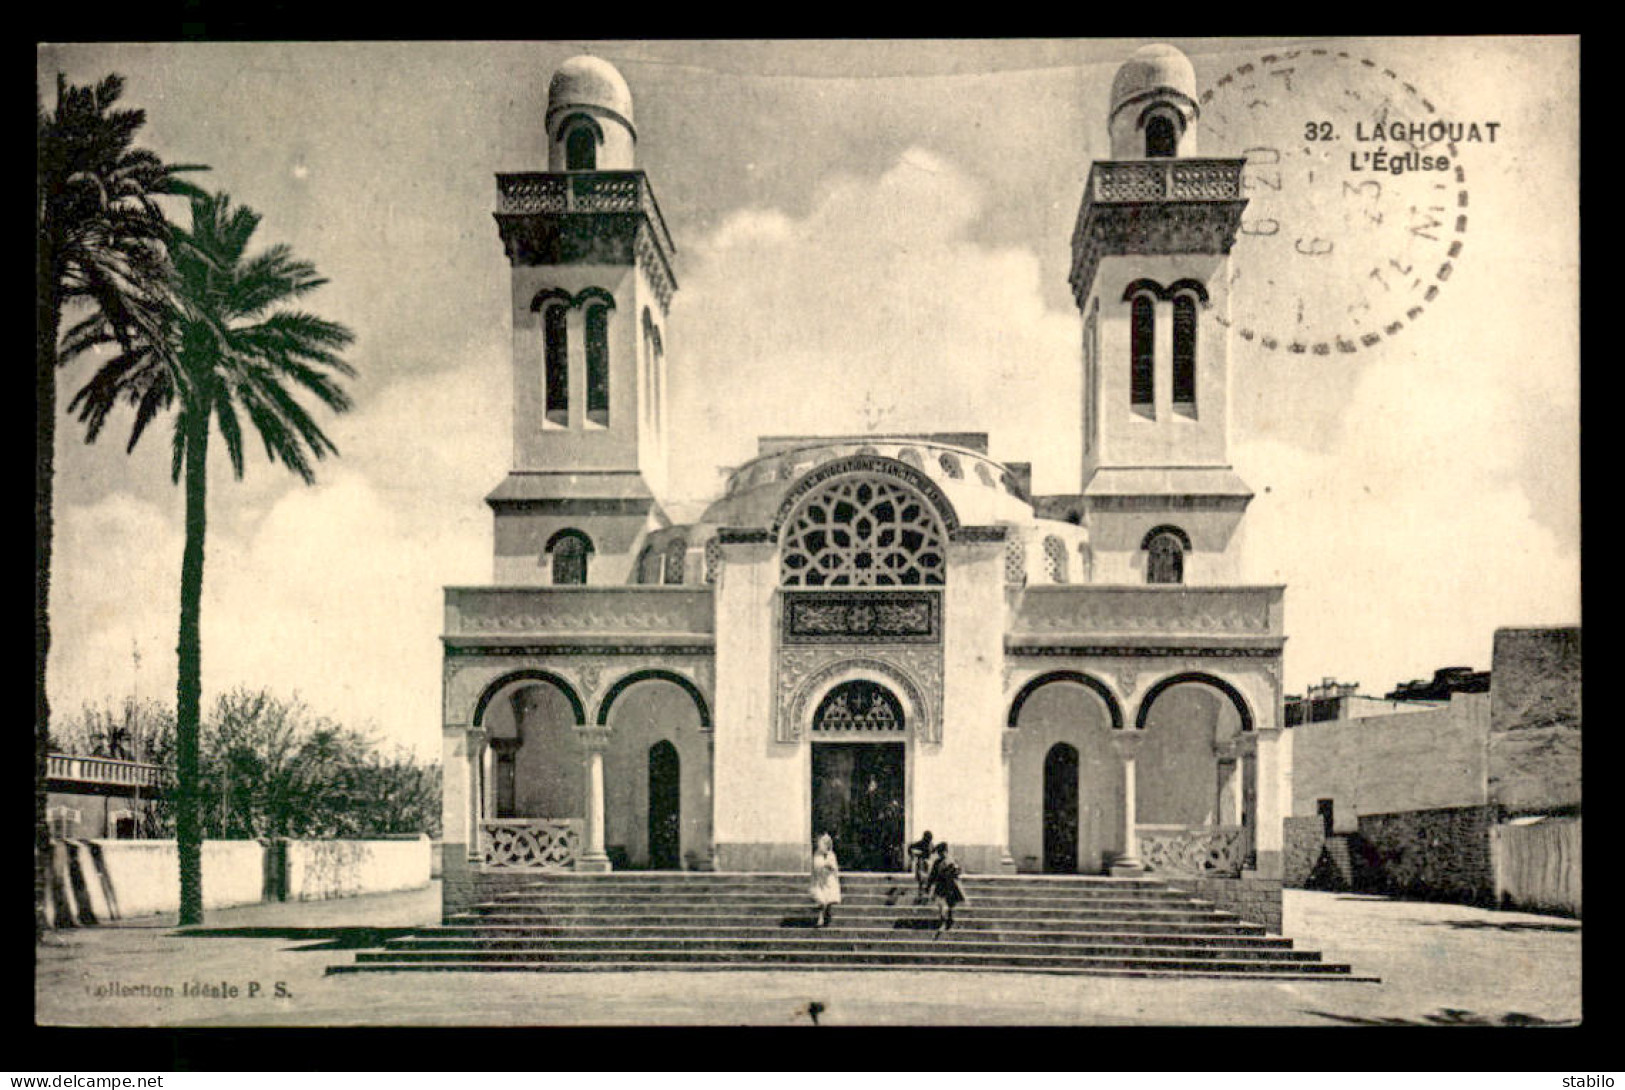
142, 877
321, 869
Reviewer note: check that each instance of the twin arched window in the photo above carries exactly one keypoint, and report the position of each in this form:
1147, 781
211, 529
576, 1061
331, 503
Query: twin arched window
1142, 297
555, 305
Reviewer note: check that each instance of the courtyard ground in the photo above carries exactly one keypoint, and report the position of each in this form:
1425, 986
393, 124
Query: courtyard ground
1440, 964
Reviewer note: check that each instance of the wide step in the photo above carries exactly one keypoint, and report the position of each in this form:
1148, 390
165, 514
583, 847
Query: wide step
623, 921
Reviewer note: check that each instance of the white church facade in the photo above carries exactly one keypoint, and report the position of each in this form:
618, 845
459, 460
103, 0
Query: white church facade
867, 635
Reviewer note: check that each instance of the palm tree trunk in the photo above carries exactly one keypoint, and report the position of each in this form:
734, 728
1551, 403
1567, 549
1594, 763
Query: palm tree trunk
48, 318
189, 684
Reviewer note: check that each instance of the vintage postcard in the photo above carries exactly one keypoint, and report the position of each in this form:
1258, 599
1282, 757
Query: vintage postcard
998, 532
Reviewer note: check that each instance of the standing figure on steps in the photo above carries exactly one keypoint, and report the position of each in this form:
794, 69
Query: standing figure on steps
826, 879
919, 855
945, 887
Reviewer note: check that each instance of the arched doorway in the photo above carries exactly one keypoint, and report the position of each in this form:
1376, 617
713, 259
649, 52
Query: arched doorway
858, 775
665, 807
1061, 809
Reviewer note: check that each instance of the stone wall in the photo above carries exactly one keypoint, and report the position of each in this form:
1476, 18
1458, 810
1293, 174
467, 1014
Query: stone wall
1305, 840
462, 884
1534, 744
96, 881
122, 878
318, 870
1388, 764
1254, 899
1439, 854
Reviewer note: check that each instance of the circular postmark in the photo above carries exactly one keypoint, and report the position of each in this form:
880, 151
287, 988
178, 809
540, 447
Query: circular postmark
1357, 200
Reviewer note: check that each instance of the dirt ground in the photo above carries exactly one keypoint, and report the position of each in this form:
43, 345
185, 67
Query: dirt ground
265, 965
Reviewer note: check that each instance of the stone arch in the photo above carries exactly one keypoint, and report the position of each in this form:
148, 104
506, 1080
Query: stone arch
642, 711
919, 714
654, 673
1233, 694
1099, 687
1078, 832
529, 674
867, 463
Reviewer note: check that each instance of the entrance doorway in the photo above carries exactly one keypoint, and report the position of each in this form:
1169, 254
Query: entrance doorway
665, 807
1061, 810
857, 798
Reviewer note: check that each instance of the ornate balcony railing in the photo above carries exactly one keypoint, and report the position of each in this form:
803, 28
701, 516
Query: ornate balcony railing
1039, 614
1165, 180
599, 191
539, 844
623, 614
111, 771
1205, 851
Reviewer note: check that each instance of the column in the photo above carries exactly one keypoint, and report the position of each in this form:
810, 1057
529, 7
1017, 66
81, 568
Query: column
475, 752
1270, 804
593, 858
1007, 746
1228, 809
711, 797
1128, 862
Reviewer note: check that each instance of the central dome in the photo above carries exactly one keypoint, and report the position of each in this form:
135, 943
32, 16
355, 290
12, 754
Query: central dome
592, 82
1150, 69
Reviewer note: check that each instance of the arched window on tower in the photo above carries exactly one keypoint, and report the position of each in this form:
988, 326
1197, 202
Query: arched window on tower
557, 350
570, 550
598, 362
1185, 353
1143, 337
581, 149
1165, 560
1161, 137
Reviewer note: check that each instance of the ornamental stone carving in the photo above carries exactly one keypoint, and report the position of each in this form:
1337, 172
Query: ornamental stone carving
804, 671
535, 844
1153, 612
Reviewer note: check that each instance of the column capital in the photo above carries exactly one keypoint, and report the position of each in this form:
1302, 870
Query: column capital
594, 739
1126, 742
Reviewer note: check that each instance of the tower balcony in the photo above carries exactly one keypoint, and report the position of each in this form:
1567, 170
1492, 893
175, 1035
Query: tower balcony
1117, 180
1155, 206
624, 191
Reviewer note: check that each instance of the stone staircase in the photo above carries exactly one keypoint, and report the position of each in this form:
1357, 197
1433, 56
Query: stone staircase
1052, 924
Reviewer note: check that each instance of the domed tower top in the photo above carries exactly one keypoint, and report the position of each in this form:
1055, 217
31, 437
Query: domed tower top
1154, 111
589, 117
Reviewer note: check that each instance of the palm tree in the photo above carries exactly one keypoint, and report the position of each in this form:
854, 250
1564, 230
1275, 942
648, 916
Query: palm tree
226, 352
100, 245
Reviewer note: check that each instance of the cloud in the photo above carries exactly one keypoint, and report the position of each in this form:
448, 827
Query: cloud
332, 591
1413, 516
874, 311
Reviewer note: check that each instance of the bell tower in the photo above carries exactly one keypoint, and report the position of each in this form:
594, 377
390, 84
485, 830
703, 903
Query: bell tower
591, 278
1151, 275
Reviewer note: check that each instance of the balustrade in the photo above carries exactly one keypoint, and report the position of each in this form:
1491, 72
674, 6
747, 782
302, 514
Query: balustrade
1167, 180
540, 844
1199, 850
104, 770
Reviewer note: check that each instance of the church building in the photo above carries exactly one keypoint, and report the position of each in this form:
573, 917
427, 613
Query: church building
867, 635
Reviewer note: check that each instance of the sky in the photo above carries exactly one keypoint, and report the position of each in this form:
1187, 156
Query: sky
870, 235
